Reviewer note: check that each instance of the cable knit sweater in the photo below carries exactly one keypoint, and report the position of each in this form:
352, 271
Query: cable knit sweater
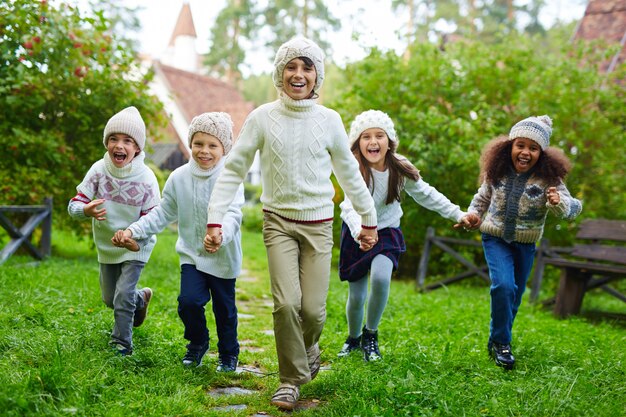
515, 209
130, 192
185, 198
299, 143
389, 214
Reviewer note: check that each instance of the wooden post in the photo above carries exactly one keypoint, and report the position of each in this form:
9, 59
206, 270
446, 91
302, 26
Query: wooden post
46, 229
423, 265
572, 287
538, 273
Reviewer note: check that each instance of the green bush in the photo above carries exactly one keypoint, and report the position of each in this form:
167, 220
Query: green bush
252, 217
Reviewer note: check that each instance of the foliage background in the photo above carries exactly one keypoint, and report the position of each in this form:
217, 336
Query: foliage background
447, 104
63, 74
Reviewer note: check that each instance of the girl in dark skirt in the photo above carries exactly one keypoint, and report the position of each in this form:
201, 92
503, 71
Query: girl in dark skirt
373, 142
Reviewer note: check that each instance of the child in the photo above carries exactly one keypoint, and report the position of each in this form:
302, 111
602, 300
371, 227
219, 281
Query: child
300, 144
373, 142
522, 180
118, 190
204, 276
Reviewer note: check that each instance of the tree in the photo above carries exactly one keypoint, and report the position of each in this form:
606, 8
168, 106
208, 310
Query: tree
308, 18
62, 75
447, 105
234, 25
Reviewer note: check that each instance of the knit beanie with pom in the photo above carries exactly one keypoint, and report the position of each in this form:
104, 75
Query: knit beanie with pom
218, 124
128, 122
295, 48
537, 128
369, 119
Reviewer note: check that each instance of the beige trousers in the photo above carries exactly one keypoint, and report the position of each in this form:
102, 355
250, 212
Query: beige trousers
299, 258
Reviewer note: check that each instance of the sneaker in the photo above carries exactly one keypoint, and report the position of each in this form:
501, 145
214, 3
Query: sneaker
501, 354
369, 344
351, 344
286, 396
141, 313
194, 354
121, 350
313, 355
227, 363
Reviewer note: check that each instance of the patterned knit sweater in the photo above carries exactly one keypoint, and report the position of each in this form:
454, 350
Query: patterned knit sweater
300, 143
389, 214
185, 198
130, 192
515, 209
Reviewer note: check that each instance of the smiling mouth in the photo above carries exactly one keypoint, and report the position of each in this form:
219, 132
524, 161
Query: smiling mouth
298, 85
119, 157
373, 151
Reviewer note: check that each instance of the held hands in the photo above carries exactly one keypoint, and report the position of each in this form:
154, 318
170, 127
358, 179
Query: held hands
553, 196
213, 239
367, 239
123, 239
470, 221
91, 209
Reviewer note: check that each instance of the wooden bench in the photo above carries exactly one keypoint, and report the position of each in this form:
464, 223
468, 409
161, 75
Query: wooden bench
444, 243
21, 236
599, 259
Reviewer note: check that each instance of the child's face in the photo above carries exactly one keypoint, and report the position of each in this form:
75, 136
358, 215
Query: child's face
122, 149
299, 79
206, 150
524, 154
374, 145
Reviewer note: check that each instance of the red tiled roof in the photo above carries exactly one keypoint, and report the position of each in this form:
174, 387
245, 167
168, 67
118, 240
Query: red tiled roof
196, 94
605, 19
184, 24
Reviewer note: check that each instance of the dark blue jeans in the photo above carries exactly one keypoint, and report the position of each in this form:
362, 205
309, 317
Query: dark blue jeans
509, 268
196, 290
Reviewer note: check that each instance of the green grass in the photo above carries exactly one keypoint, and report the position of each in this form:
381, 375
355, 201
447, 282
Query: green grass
54, 358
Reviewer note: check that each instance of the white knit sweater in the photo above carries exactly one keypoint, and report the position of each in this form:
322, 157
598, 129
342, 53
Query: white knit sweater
185, 198
389, 214
130, 192
300, 143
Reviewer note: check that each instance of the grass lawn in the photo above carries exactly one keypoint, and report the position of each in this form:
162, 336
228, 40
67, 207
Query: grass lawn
55, 360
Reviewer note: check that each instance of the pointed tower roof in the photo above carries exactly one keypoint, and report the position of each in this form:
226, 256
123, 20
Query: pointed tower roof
184, 24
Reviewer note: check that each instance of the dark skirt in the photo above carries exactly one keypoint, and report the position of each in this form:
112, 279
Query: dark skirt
354, 264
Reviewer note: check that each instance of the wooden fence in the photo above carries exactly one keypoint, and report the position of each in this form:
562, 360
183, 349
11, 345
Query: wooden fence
21, 236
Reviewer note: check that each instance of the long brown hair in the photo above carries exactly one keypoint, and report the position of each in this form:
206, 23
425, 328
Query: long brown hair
495, 161
399, 167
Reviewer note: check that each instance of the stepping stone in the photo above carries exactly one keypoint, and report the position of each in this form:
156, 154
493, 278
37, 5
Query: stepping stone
230, 407
250, 369
228, 391
268, 332
245, 316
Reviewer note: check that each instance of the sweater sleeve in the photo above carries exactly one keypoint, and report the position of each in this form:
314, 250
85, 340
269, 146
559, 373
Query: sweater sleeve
232, 219
237, 164
85, 192
346, 169
160, 216
350, 217
427, 196
569, 207
481, 200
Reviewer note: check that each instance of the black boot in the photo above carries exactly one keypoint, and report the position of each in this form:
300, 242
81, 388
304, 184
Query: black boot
369, 344
501, 354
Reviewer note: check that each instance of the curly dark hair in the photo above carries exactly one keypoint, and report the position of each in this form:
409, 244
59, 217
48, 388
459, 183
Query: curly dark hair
495, 161
398, 166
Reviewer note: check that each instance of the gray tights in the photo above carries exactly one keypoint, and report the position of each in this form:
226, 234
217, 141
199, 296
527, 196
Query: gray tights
380, 277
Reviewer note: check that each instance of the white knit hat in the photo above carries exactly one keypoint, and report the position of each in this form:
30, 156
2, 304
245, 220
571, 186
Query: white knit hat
537, 128
369, 119
218, 124
295, 48
128, 122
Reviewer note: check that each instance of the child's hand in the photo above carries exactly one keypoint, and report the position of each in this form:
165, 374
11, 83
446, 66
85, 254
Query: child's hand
367, 239
123, 239
470, 221
213, 239
553, 196
91, 209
